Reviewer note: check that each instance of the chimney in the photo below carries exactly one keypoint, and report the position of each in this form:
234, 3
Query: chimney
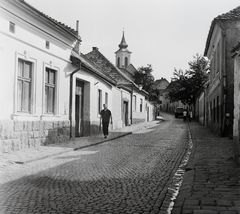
95, 49
77, 26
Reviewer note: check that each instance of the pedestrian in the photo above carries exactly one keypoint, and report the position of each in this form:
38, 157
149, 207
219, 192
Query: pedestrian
105, 117
190, 116
184, 115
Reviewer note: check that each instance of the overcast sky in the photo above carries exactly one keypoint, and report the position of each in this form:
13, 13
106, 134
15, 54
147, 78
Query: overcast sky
163, 33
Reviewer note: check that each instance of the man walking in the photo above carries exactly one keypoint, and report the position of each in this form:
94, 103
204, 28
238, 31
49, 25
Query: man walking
105, 117
184, 115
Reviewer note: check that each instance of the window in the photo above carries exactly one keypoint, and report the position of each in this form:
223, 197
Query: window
118, 62
106, 98
126, 62
218, 58
99, 101
24, 82
141, 104
134, 102
50, 88
47, 45
12, 27
214, 64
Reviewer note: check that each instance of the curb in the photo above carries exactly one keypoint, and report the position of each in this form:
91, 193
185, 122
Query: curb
102, 141
70, 150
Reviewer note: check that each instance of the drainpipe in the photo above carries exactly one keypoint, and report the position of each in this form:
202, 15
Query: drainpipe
70, 98
224, 84
131, 113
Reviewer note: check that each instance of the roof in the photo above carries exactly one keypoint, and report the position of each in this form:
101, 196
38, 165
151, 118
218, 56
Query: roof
232, 15
123, 45
63, 26
235, 49
90, 67
106, 67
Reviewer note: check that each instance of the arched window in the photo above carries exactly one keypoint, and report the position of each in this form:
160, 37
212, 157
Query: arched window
126, 62
118, 62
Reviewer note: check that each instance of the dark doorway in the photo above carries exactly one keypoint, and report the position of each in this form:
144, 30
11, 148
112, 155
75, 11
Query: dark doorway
125, 113
79, 108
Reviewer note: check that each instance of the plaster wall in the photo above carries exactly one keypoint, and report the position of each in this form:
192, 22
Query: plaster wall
236, 121
20, 130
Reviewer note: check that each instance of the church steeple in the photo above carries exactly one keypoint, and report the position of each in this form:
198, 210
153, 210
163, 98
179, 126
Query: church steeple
123, 43
123, 54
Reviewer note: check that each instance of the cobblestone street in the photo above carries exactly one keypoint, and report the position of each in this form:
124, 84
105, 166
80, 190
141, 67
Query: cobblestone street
127, 175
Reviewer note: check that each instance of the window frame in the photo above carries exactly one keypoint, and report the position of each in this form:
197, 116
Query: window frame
106, 98
28, 80
50, 85
12, 27
134, 103
99, 101
141, 105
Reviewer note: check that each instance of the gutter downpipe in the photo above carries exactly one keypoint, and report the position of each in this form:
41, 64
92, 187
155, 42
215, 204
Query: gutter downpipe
131, 104
71, 98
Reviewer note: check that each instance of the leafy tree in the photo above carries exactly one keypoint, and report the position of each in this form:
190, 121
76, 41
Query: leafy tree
144, 77
186, 85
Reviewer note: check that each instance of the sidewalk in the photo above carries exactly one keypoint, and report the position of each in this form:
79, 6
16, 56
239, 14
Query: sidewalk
37, 153
211, 183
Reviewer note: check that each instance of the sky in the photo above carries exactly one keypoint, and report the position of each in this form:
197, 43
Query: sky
166, 34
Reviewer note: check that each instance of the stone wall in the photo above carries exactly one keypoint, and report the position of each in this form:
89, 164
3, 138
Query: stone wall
18, 135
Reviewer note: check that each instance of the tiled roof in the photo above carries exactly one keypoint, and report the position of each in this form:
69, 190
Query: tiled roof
106, 67
54, 21
232, 15
88, 64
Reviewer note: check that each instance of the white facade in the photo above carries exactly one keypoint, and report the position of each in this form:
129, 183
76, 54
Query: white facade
35, 64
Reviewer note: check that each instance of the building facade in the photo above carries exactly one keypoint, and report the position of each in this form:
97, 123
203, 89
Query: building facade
222, 37
35, 60
236, 121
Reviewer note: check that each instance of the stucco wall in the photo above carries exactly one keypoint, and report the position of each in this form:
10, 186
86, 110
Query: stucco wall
19, 130
236, 121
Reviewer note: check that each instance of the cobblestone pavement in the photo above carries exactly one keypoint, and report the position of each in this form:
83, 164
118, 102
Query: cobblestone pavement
126, 175
211, 183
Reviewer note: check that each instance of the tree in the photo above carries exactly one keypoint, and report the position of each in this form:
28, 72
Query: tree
144, 77
186, 85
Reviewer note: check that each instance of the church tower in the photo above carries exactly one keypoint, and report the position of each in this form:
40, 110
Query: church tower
123, 54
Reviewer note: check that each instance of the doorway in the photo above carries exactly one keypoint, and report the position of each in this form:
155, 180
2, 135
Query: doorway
79, 108
125, 113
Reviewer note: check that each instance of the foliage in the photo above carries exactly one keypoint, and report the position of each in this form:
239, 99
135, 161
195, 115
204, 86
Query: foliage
145, 78
186, 85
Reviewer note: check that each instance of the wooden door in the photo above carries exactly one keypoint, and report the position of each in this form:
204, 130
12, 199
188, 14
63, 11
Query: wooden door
79, 108
125, 113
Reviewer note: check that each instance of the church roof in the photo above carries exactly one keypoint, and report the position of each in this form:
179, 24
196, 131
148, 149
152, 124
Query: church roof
123, 43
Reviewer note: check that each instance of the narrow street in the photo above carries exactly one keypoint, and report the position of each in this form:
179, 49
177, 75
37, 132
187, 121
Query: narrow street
127, 175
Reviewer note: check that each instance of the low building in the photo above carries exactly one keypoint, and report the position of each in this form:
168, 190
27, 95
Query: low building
35, 59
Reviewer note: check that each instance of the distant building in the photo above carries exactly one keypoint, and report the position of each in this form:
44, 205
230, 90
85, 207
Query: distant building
161, 85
